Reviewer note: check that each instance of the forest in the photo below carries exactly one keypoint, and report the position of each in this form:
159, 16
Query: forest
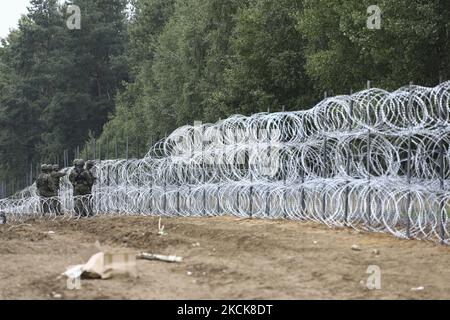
137, 69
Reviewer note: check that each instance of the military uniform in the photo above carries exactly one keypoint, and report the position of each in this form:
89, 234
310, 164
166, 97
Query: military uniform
46, 188
79, 179
56, 177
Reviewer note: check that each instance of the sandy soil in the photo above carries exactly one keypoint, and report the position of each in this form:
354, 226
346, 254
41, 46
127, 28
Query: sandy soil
235, 259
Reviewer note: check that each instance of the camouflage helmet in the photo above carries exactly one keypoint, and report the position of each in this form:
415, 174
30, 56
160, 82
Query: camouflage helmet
55, 167
78, 163
45, 167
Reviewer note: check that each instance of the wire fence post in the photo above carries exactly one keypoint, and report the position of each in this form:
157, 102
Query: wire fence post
369, 168
138, 148
324, 168
100, 150
216, 169
116, 150
408, 165
236, 163
347, 188
126, 165
191, 155
203, 170
126, 147
251, 176
151, 184
283, 109
269, 138
165, 187
442, 213
94, 144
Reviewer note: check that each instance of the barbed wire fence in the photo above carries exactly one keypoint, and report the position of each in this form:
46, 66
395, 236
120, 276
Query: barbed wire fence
372, 160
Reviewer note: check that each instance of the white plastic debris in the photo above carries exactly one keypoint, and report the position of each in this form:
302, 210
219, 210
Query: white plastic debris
161, 231
417, 289
56, 295
104, 266
160, 257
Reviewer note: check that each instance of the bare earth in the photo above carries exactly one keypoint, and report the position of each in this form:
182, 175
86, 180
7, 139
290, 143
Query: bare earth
236, 259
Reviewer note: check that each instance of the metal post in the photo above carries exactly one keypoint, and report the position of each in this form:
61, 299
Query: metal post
94, 144
138, 148
324, 170
126, 147
237, 164
251, 174
107, 147
116, 149
369, 169
442, 175
151, 193
408, 166
285, 194
347, 189
189, 177
216, 169
203, 170
165, 186
178, 199
269, 137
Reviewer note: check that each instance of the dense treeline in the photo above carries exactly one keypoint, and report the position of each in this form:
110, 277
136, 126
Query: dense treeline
136, 73
58, 85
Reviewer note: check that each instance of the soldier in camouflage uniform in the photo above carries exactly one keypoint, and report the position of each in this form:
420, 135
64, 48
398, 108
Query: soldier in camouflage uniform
45, 187
56, 176
79, 180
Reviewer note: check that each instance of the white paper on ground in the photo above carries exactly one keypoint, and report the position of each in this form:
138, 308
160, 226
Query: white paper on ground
104, 266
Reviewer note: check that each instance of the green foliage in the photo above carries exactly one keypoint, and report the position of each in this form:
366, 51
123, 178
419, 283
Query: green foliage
58, 84
342, 53
267, 64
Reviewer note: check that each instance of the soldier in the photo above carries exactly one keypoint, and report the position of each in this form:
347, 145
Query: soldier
90, 183
2, 218
56, 176
79, 179
45, 187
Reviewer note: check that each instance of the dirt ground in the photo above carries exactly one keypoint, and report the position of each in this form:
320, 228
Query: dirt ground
224, 258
